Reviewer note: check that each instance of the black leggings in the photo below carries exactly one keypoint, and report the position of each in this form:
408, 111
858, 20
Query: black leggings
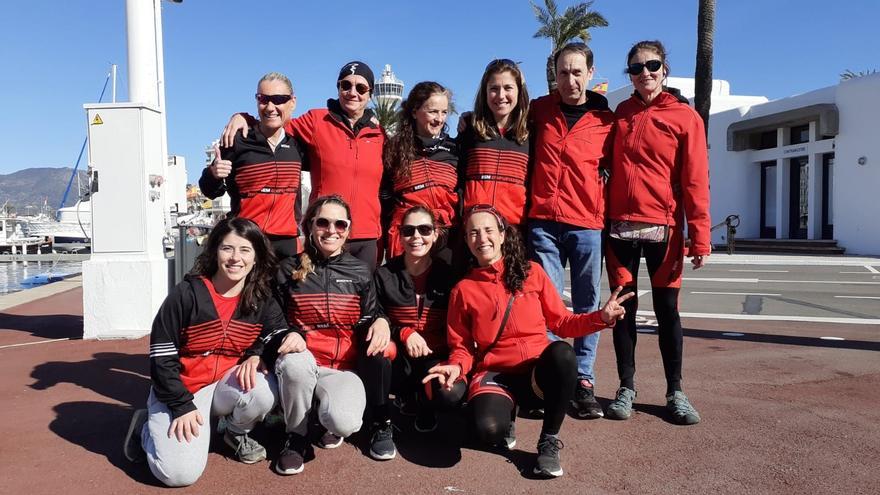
375, 371
366, 250
555, 373
665, 307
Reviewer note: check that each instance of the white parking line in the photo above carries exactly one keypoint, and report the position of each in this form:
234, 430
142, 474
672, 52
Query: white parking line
811, 319
832, 338
854, 273
872, 269
32, 343
755, 281
759, 271
857, 297
721, 279
735, 293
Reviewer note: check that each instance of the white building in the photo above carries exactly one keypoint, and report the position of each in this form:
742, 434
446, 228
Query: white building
802, 167
388, 89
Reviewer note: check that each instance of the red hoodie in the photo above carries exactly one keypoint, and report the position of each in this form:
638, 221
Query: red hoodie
660, 171
477, 305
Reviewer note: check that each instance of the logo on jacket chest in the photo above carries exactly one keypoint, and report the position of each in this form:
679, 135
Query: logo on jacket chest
344, 281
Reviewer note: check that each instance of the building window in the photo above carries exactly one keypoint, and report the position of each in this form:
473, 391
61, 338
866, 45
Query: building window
800, 134
765, 140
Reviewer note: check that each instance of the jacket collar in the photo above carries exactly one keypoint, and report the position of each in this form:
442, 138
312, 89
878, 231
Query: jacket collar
595, 101
368, 119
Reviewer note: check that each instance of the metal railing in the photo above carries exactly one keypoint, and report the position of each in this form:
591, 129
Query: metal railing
732, 222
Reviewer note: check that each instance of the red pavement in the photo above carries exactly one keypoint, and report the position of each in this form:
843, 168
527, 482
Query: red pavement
783, 412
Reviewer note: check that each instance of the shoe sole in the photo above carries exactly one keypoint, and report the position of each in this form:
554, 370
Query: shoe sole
383, 457
549, 474
135, 427
425, 430
617, 417
288, 472
586, 414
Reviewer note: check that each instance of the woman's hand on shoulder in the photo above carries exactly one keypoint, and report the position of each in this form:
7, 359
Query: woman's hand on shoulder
446, 374
613, 309
292, 342
236, 123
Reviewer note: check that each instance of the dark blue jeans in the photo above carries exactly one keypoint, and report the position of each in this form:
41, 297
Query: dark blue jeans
554, 245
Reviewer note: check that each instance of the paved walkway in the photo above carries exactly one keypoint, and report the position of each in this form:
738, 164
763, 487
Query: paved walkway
784, 412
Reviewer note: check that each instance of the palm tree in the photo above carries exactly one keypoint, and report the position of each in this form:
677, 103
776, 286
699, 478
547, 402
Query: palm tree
703, 69
386, 113
848, 74
574, 23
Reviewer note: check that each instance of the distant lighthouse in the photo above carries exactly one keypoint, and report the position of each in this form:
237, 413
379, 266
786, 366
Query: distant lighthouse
388, 89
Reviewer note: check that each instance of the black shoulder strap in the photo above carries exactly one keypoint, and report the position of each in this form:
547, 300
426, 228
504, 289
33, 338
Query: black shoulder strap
488, 348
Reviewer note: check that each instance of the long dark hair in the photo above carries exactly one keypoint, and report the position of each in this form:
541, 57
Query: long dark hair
513, 251
484, 122
400, 150
310, 253
257, 286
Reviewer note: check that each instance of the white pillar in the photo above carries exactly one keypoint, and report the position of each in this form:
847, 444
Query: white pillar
782, 175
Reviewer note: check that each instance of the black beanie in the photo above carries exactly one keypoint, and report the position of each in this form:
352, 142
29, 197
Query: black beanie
357, 68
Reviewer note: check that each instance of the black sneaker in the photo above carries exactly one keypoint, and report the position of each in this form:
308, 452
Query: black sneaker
584, 400
292, 456
133, 449
330, 440
548, 456
426, 421
382, 441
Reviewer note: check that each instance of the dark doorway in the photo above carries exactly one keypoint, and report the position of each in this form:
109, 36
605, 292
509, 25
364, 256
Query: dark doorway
797, 198
827, 196
768, 200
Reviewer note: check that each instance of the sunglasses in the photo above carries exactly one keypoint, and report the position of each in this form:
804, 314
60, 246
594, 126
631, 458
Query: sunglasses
339, 225
410, 230
502, 61
275, 99
361, 88
636, 68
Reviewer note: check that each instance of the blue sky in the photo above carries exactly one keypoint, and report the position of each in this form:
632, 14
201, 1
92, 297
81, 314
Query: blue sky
56, 55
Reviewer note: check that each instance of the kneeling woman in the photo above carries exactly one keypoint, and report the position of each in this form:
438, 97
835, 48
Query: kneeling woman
497, 331
413, 291
330, 300
203, 329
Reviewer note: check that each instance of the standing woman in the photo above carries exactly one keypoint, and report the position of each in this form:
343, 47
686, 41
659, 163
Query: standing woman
200, 337
260, 169
497, 331
659, 181
413, 291
330, 300
494, 143
343, 145
421, 161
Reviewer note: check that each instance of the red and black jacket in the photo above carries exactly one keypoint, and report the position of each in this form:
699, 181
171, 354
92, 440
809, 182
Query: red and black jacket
345, 160
567, 185
264, 184
408, 313
494, 172
432, 182
477, 305
660, 171
333, 308
191, 348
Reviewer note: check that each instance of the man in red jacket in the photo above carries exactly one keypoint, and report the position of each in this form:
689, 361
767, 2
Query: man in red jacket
571, 130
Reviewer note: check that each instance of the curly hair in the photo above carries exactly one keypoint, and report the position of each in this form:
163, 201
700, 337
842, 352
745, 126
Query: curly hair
310, 252
401, 149
483, 121
257, 287
513, 251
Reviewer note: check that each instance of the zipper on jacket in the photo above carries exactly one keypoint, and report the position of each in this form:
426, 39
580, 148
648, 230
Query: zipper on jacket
495, 177
274, 192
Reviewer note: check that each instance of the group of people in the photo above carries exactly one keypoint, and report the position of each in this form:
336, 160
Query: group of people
294, 312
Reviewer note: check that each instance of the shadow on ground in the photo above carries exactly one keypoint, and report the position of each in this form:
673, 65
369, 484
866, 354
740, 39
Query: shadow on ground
44, 326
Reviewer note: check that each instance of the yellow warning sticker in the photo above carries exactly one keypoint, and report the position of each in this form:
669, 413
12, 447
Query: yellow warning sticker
97, 120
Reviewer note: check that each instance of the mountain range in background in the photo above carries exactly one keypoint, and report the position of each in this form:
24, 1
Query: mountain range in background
26, 191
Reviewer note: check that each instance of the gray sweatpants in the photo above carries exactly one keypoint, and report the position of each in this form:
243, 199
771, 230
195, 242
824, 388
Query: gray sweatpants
177, 463
338, 395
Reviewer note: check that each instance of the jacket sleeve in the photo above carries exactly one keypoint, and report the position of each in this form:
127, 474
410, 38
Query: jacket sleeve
303, 127
458, 333
210, 186
465, 141
369, 309
695, 185
273, 323
165, 363
559, 319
